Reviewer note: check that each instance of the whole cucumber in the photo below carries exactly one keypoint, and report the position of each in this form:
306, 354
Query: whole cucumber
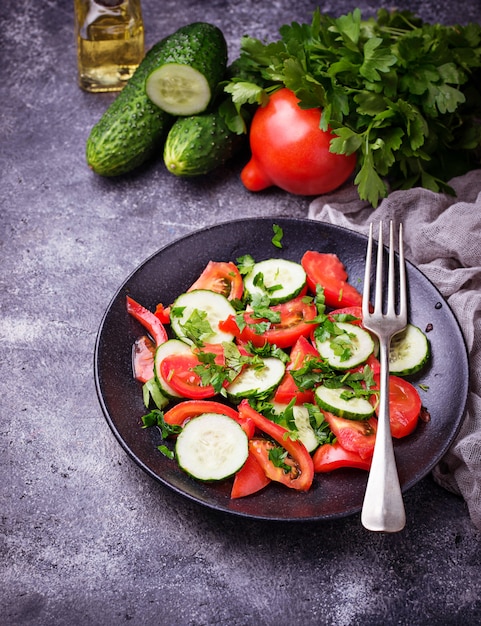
197, 144
133, 129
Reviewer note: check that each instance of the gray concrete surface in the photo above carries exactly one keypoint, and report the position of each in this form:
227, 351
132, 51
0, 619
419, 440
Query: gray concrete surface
87, 537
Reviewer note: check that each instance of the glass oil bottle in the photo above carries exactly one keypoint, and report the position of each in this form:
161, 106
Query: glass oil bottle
110, 42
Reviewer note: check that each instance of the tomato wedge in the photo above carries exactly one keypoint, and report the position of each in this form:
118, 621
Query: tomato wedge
260, 449
404, 406
178, 371
327, 270
143, 353
288, 389
295, 316
188, 409
250, 479
353, 311
373, 363
222, 277
332, 456
163, 313
301, 351
302, 475
354, 435
150, 322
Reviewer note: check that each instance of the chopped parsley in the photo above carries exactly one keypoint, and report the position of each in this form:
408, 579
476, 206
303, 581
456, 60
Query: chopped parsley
197, 327
278, 235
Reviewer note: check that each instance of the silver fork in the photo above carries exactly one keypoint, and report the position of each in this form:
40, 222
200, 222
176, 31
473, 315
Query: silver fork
383, 507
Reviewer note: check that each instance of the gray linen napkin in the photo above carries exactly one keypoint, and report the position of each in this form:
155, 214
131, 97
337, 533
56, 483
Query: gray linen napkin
443, 239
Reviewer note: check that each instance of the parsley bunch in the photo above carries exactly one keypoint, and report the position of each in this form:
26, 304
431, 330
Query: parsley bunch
403, 94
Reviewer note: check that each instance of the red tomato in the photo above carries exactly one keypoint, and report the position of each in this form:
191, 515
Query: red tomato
302, 475
260, 449
212, 348
287, 390
374, 364
404, 406
178, 371
354, 311
295, 316
301, 351
327, 270
332, 456
150, 322
184, 411
163, 313
143, 359
289, 150
354, 435
250, 479
221, 277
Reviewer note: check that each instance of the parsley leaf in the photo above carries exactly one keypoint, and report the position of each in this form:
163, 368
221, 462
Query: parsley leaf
277, 456
156, 418
262, 310
278, 235
245, 264
197, 327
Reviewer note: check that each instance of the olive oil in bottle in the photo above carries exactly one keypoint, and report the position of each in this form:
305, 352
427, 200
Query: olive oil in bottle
110, 42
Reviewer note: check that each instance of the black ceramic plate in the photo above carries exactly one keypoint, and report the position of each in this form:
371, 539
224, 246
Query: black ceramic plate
174, 268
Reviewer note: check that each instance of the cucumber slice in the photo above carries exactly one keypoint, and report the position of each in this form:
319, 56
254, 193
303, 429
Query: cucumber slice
279, 279
252, 382
212, 306
172, 346
302, 422
356, 341
330, 400
178, 89
304, 428
211, 447
409, 351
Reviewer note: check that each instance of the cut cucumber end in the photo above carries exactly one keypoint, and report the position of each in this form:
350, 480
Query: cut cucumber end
212, 447
178, 89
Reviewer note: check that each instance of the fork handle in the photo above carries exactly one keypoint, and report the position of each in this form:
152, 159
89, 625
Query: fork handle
383, 506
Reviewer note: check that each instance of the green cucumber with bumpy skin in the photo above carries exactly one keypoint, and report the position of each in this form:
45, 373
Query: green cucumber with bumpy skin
198, 144
132, 129
186, 80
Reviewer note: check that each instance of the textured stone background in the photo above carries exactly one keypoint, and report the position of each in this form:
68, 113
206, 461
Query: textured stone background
86, 536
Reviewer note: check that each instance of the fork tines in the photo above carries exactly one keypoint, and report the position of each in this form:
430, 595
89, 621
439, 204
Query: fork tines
379, 289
